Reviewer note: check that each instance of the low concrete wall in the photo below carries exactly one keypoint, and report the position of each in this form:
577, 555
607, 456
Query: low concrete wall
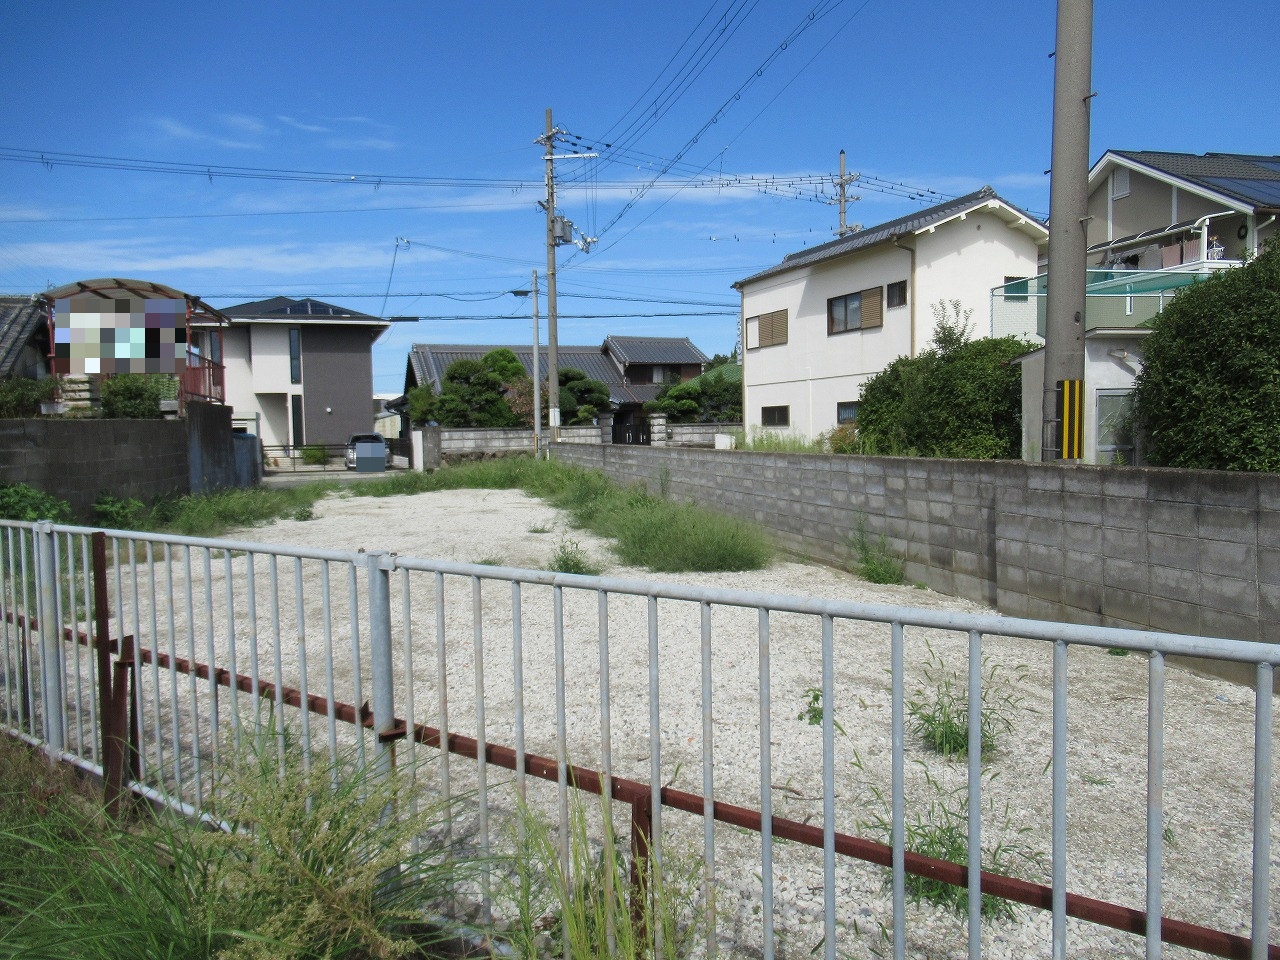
76, 460
698, 434
484, 441
211, 457
1186, 551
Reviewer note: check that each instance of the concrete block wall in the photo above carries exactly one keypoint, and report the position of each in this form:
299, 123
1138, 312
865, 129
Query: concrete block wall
698, 434
476, 441
1185, 551
76, 460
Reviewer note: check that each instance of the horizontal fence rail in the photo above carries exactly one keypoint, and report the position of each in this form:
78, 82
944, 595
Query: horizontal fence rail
678, 691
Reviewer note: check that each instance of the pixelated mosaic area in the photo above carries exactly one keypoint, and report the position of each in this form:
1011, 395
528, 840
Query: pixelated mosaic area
93, 335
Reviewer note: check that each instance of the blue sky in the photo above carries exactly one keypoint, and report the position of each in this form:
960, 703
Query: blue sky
930, 94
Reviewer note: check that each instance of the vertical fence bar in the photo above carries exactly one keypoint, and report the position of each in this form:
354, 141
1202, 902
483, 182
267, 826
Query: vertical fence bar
251, 596
74, 645
356, 686
482, 746
301, 607
828, 789
654, 888
442, 698
975, 795
101, 625
562, 747
766, 789
517, 673
1260, 929
326, 603
137, 673
229, 573
1059, 832
708, 786
898, 740
28, 698
86, 589
411, 743
273, 578
9, 617
606, 764
59, 614
50, 642
194, 688
1155, 799
213, 673
157, 721
174, 712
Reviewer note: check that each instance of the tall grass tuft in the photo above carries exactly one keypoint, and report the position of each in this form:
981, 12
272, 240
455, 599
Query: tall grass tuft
589, 914
773, 441
318, 862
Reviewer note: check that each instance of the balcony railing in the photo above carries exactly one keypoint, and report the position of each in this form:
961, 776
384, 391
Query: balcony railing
203, 379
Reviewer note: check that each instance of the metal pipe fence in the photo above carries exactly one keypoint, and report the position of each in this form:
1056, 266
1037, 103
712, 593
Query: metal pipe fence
677, 702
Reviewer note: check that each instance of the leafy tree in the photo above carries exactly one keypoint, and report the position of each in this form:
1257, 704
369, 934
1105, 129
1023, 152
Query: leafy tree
959, 398
713, 397
505, 364
471, 396
422, 404
134, 396
581, 398
22, 396
1208, 395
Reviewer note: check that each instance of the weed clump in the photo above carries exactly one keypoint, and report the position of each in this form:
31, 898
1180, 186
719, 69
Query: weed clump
875, 563
569, 557
938, 709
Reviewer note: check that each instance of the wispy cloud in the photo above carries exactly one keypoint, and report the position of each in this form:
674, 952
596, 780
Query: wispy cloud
300, 125
243, 122
360, 143
180, 131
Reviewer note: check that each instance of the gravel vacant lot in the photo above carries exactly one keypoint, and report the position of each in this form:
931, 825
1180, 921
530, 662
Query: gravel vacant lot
1208, 727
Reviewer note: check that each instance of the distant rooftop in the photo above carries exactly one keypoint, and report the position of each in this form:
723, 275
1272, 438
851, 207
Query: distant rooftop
286, 307
1252, 179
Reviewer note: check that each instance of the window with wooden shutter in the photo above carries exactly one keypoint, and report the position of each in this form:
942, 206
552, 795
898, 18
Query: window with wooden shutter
767, 330
872, 315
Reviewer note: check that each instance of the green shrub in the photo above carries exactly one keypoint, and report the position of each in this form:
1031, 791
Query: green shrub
22, 396
959, 398
842, 440
134, 396
21, 502
1208, 394
116, 513
315, 455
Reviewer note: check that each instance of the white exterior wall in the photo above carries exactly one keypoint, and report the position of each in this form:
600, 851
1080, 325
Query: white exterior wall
256, 358
812, 371
1104, 369
962, 260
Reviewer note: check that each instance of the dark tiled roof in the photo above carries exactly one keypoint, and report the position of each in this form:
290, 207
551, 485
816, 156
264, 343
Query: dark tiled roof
1249, 178
21, 320
654, 350
883, 232
283, 307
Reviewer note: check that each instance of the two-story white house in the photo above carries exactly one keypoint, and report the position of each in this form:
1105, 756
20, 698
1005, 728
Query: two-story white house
822, 322
296, 371
1158, 221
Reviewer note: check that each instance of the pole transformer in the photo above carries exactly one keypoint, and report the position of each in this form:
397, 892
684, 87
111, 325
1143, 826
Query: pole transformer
1068, 221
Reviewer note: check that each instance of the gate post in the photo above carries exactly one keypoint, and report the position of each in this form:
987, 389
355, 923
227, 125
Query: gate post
379, 565
50, 641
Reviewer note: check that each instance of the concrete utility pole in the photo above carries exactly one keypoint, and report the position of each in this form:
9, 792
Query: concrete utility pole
843, 200
1068, 220
553, 360
559, 231
537, 391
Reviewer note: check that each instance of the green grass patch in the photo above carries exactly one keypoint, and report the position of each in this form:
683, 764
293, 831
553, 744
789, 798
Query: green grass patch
938, 709
875, 563
569, 557
648, 531
312, 867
